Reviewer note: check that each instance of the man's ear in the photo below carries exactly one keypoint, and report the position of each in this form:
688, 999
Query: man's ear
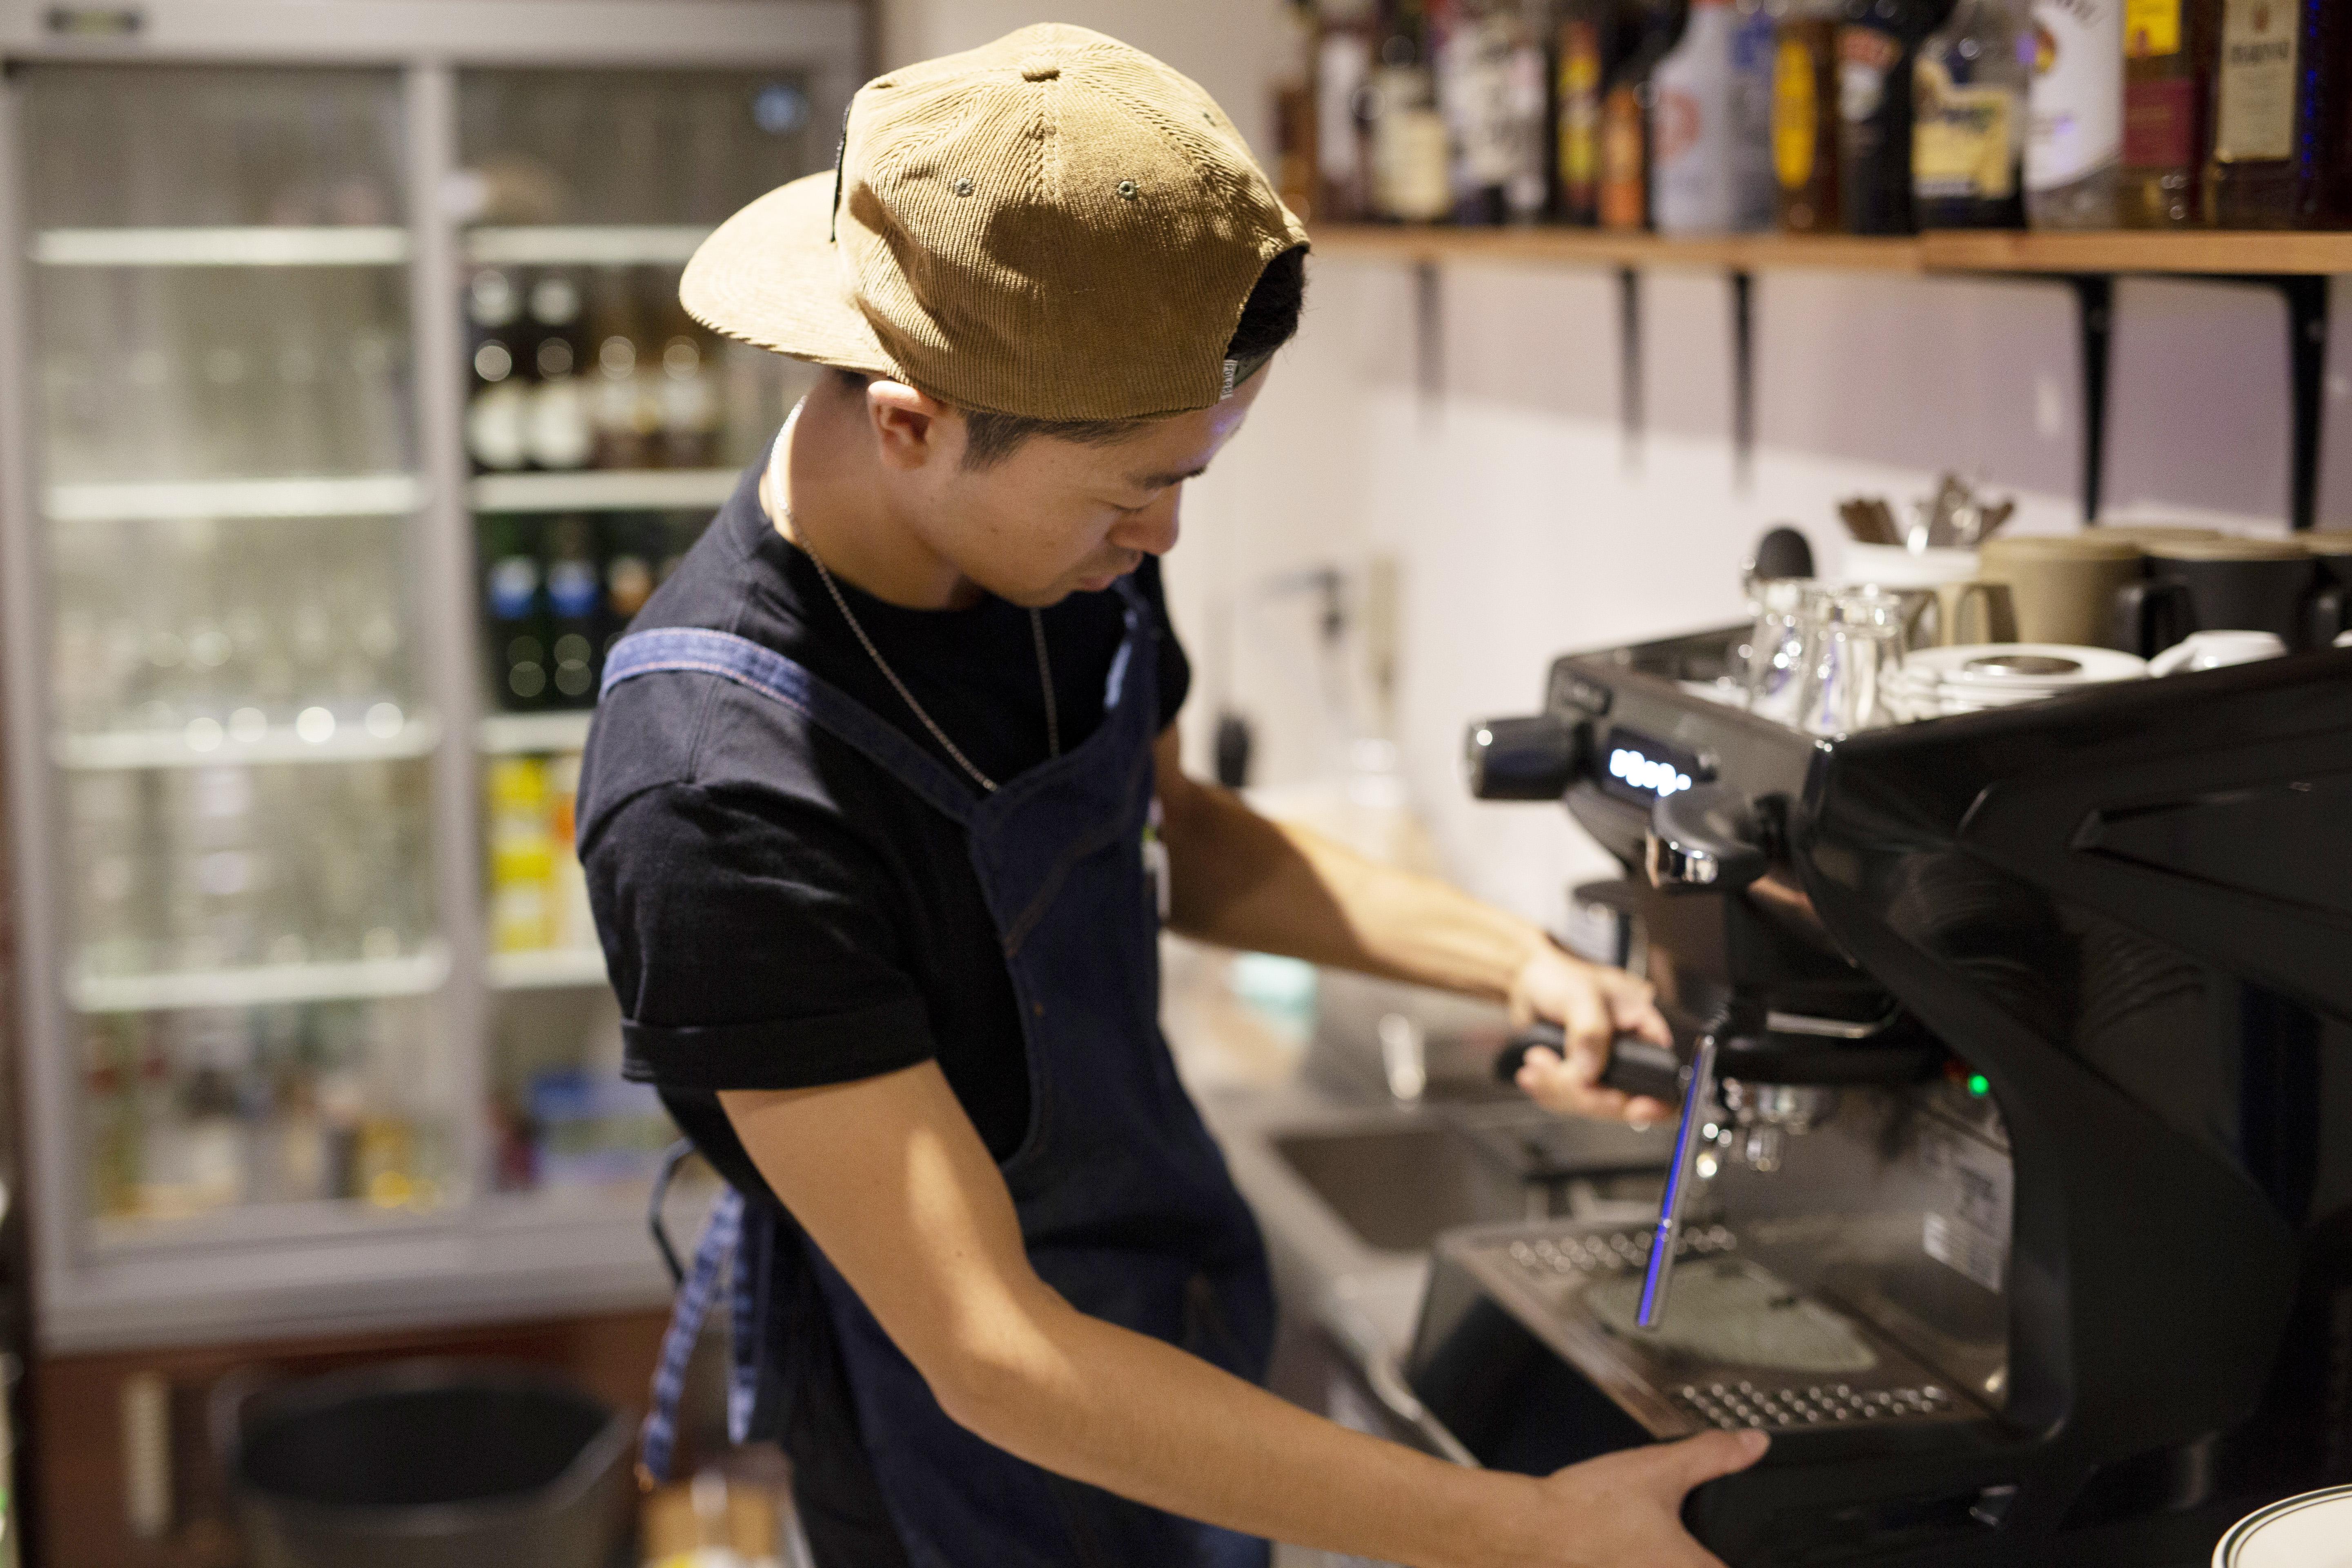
912, 427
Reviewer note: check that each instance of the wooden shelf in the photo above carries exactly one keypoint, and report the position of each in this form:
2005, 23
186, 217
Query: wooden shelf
1595, 247
2194, 252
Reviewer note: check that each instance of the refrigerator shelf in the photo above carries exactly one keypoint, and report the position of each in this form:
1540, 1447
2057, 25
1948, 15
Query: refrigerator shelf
585, 245
547, 968
256, 246
415, 974
204, 743
529, 735
605, 490
141, 500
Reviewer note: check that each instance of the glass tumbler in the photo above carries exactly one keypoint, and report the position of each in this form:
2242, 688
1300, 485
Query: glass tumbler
1776, 645
1854, 643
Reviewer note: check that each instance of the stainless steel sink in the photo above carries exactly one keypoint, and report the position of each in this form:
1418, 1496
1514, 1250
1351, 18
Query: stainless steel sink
1398, 1186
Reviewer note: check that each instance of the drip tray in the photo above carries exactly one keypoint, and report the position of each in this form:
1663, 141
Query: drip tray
1738, 1346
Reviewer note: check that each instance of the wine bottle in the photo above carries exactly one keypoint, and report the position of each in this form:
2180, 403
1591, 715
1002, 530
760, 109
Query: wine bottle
1805, 117
574, 604
1409, 177
1969, 117
1877, 44
514, 628
497, 408
1584, 49
1626, 112
2167, 83
2073, 150
562, 433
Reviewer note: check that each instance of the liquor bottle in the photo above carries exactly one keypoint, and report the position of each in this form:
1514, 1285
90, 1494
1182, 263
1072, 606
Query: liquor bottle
521, 856
1711, 124
1805, 117
1877, 44
1409, 178
2279, 92
2167, 87
687, 394
498, 411
562, 433
1293, 80
630, 543
2073, 150
514, 620
1969, 116
1491, 86
575, 600
622, 403
1625, 110
1344, 46
1584, 48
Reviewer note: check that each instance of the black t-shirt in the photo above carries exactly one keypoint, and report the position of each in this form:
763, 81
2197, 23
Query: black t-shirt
776, 910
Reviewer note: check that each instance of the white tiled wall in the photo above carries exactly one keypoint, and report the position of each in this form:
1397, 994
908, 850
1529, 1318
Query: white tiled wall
1524, 522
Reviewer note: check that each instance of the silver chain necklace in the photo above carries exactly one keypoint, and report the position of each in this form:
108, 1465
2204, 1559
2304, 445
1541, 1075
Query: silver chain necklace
1036, 633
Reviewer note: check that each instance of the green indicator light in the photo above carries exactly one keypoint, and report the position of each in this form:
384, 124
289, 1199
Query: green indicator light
1978, 1084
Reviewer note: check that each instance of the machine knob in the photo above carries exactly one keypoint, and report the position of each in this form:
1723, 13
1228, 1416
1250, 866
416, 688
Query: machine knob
1523, 759
1705, 840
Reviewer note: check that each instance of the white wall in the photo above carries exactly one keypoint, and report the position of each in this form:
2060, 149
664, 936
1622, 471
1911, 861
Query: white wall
1526, 524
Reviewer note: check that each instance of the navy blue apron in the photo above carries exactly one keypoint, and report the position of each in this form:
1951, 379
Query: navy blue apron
1124, 1203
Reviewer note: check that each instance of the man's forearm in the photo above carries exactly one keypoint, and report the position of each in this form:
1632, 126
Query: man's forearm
1125, 1413
1244, 881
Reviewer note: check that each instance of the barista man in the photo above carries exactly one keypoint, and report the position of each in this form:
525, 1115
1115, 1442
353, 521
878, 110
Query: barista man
872, 818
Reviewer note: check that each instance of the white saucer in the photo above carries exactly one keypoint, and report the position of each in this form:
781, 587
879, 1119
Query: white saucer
2007, 670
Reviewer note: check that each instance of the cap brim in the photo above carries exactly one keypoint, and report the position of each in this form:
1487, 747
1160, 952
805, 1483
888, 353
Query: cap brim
771, 276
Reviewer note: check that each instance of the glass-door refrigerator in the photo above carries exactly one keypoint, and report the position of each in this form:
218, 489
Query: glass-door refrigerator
347, 413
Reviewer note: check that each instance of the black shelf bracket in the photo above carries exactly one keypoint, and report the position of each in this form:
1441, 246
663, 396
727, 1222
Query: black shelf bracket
1743, 380
1429, 337
2307, 350
2095, 325
2306, 297
1630, 401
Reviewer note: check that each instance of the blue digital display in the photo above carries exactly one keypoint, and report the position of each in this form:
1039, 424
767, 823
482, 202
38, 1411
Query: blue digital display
1636, 768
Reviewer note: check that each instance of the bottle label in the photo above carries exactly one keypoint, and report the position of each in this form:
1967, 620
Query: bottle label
2254, 118
2078, 92
1623, 182
1963, 143
2151, 28
1795, 108
1864, 56
2160, 124
1580, 110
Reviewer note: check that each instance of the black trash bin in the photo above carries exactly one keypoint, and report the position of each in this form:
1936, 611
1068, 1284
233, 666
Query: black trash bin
426, 1463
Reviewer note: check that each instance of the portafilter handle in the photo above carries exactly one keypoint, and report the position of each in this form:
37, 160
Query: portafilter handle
1636, 1065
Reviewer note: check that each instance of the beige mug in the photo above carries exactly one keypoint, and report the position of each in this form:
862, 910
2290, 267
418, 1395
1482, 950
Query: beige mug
1956, 613
2064, 585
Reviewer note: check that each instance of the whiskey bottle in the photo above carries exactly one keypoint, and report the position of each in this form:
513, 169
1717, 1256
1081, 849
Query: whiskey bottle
1968, 135
1625, 117
2168, 80
2278, 92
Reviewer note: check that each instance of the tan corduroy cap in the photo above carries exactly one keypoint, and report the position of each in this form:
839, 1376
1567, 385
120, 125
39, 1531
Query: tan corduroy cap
1054, 226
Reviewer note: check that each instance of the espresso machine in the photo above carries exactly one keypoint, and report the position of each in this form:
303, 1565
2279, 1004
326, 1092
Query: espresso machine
2013, 1194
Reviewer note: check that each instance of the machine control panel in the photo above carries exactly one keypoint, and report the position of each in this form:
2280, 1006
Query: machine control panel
1732, 1405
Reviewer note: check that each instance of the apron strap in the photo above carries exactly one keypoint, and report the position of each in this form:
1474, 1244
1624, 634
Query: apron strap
700, 651
658, 1440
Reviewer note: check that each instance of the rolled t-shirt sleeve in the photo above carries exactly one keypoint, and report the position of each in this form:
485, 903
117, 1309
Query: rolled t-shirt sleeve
751, 944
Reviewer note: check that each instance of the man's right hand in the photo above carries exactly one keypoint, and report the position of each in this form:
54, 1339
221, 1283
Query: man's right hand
1625, 1510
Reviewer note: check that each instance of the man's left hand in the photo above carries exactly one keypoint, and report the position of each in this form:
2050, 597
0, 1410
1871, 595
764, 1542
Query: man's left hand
1594, 1004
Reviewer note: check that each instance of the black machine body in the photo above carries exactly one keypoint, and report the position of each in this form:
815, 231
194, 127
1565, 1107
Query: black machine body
2019, 1200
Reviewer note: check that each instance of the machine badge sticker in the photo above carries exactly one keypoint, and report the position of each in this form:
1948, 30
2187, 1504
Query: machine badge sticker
1968, 1230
